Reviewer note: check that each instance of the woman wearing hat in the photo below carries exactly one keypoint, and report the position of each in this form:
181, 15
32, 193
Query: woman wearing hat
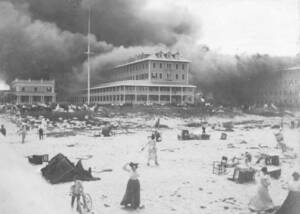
131, 198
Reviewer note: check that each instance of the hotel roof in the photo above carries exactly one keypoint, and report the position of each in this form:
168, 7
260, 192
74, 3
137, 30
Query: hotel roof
159, 56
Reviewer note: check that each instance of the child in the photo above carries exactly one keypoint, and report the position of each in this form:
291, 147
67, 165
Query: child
76, 192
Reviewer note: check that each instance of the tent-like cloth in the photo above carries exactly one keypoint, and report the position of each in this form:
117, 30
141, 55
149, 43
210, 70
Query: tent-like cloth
60, 169
291, 205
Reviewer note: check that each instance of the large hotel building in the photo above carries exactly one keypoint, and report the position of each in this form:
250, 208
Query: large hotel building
160, 78
281, 89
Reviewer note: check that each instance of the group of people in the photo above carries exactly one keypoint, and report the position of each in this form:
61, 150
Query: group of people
131, 197
262, 201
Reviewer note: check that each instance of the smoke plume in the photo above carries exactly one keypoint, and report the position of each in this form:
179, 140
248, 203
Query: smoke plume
48, 39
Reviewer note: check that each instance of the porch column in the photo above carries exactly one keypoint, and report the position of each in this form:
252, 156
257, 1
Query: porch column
18, 99
124, 94
181, 95
135, 95
158, 94
148, 95
30, 99
170, 95
149, 71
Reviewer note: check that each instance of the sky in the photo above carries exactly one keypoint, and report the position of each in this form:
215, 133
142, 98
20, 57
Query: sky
48, 39
245, 26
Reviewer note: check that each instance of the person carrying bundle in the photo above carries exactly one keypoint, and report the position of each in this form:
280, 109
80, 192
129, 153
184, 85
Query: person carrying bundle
152, 150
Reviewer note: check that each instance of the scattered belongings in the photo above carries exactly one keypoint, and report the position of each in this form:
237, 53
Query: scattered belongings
61, 134
185, 135
60, 169
272, 160
243, 175
223, 136
219, 167
274, 172
103, 170
38, 159
194, 124
228, 126
291, 204
276, 126
106, 131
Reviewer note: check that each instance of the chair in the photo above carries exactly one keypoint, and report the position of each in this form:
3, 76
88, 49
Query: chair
223, 136
219, 167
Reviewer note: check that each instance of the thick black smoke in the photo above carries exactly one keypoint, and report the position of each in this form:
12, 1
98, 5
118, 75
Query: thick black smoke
47, 39
117, 22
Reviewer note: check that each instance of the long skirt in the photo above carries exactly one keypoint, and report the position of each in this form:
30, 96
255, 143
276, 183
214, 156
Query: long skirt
132, 194
262, 200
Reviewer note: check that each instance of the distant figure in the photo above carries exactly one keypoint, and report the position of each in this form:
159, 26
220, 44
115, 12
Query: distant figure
3, 130
294, 184
262, 200
157, 123
152, 150
248, 158
23, 133
76, 192
203, 129
292, 124
131, 198
41, 133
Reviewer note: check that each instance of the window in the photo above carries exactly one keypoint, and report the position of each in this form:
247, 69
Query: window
49, 89
177, 76
160, 76
183, 76
35, 89
176, 66
23, 88
182, 66
160, 65
154, 65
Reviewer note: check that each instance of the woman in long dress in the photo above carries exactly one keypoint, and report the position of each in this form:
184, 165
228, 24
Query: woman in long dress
131, 198
262, 200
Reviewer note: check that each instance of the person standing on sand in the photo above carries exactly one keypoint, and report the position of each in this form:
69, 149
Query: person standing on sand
262, 200
41, 132
152, 150
23, 132
131, 198
3, 130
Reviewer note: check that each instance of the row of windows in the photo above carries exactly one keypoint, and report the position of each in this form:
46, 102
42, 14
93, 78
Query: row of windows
168, 76
35, 89
168, 65
139, 66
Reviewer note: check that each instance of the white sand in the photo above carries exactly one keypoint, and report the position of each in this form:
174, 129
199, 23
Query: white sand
183, 183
